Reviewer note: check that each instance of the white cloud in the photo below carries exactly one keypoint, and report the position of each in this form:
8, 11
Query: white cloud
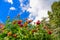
21, 3
10, 1
39, 8
12, 8
23, 6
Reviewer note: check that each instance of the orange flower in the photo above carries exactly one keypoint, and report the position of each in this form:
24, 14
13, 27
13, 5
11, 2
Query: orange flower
34, 31
2, 26
14, 22
46, 27
14, 35
25, 24
9, 33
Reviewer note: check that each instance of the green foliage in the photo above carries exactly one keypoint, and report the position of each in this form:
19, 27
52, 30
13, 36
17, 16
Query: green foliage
54, 19
54, 15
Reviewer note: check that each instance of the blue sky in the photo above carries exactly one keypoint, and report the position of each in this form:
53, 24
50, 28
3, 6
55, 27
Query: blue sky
31, 9
5, 9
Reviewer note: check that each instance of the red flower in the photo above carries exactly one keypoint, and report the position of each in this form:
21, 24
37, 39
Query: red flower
38, 22
49, 32
19, 21
21, 25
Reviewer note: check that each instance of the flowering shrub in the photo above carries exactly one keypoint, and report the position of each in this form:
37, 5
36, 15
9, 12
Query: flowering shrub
19, 30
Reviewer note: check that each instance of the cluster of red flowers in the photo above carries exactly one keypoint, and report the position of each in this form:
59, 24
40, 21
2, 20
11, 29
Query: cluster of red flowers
25, 24
19, 22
